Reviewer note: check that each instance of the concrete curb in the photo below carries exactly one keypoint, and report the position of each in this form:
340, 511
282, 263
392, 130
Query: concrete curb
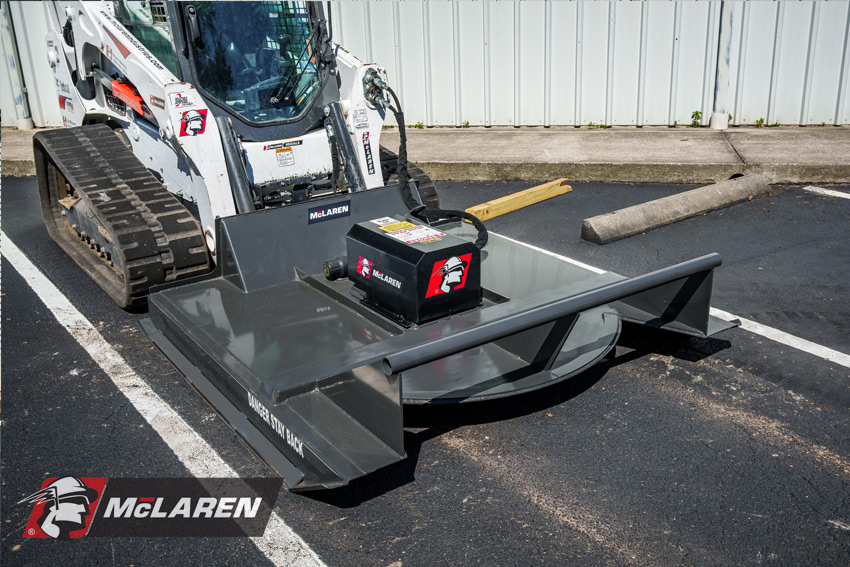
619, 224
18, 168
584, 172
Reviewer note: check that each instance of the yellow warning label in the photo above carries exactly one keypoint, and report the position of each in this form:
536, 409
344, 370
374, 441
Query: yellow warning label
397, 226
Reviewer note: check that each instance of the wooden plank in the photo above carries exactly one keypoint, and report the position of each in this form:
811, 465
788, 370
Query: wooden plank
498, 207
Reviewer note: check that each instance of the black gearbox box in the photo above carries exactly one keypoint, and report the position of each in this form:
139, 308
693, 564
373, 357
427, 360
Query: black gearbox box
411, 271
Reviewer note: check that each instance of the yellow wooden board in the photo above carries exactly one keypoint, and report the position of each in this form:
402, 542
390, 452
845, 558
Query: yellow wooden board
498, 207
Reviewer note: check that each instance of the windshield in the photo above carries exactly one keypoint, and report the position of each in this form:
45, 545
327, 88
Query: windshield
258, 58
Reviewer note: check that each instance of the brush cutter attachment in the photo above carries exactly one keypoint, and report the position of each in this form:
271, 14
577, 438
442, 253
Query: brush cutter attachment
312, 371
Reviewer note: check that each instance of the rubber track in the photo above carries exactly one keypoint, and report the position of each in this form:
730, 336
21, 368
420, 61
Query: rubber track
427, 188
156, 238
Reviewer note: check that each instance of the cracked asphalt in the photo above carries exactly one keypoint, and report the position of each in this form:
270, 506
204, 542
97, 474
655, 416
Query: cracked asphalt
731, 450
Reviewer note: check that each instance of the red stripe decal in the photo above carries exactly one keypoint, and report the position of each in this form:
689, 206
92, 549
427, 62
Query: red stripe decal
124, 51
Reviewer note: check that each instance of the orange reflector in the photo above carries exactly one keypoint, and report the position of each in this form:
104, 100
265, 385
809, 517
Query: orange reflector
128, 94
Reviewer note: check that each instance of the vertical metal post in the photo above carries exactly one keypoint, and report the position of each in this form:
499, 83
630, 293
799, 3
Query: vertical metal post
19, 91
397, 52
674, 65
810, 64
774, 68
456, 53
547, 65
609, 79
712, 59
720, 114
742, 65
845, 72
367, 20
488, 120
579, 18
641, 93
429, 93
517, 65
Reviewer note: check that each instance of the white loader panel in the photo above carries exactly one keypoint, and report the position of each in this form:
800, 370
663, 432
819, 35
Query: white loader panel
293, 158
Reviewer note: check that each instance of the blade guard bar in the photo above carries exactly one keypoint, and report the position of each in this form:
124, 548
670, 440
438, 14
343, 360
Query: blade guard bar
509, 322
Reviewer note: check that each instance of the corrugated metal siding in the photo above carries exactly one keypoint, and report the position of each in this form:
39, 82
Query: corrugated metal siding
566, 63
30, 31
621, 63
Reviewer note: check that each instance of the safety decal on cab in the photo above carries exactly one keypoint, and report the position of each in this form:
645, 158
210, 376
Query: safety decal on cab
449, 275
181, 100
193, 122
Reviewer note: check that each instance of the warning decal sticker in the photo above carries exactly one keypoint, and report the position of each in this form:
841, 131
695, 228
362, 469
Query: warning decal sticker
285, 157
416, 234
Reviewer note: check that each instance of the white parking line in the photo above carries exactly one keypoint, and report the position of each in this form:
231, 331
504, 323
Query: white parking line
751, 326
786, 339
828, 192
279, 543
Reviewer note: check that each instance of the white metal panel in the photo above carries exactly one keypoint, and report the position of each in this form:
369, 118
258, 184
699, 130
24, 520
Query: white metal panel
469, 35
626, 63
791, 62
553, 62
531, 67
7, 99
594, 62
563, 66
842, 105
659, 57
502, 62
30, 33
826, 73
412, 49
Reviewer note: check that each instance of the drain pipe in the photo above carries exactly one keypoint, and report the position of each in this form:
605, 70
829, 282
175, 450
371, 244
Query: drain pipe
19, 91
720, 115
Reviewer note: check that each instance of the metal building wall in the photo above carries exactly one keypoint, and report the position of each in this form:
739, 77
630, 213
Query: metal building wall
30, 30
557, 62
619, 63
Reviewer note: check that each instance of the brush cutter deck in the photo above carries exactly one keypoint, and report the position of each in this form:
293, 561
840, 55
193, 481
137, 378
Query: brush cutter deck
314, 380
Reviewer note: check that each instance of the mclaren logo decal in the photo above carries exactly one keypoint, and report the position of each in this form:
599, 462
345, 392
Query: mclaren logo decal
72, 507
328, 212
184, 508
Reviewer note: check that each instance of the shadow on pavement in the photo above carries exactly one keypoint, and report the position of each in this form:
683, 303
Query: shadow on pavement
635, 342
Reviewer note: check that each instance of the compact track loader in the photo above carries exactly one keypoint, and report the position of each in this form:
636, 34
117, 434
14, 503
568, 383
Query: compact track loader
221, 164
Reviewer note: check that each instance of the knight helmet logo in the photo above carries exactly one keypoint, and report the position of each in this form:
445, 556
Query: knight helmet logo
449, 275
63, 508
193, 122
364, 267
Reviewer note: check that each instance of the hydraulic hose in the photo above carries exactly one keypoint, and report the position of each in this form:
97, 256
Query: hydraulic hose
421, 211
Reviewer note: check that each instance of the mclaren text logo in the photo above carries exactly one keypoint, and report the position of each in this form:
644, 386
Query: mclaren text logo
328, 212
227, 507
369, 271
389, 280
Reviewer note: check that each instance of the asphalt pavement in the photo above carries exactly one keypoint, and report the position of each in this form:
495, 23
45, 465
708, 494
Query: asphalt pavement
720, 451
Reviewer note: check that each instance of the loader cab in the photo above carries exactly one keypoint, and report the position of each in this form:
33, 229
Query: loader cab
268, 65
